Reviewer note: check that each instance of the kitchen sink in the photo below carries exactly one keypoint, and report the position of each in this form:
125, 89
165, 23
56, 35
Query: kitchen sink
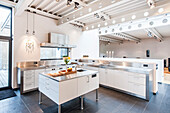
81, 70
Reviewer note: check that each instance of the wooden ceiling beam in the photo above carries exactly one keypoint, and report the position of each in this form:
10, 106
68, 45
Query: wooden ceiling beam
50, 3
91, 9
44, 13
128, 15
40, 4
8, 3
21, 6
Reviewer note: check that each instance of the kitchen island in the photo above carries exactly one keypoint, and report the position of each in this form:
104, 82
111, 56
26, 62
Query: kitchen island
62, 89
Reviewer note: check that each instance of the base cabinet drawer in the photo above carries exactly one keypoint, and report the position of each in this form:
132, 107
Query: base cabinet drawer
28, 86
94, 82
139, 78
138, 89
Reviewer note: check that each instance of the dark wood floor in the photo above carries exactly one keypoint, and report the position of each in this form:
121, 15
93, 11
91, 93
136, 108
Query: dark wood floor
109, 102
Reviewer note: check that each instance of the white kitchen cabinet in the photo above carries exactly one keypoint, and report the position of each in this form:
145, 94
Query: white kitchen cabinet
87, 84
61, 92
137, 83
138, 89
102, 76
83, 85
37, 75
67, 90
28, 80
126, 81
58, 38
93, 82
58, 92
112, 78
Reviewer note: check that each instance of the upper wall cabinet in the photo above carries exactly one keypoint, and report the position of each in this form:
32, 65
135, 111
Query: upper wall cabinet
58, 38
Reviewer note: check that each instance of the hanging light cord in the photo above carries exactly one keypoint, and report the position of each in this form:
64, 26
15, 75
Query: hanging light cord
27, 24
33, 23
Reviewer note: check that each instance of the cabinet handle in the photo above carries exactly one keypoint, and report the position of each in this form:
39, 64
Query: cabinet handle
94, 75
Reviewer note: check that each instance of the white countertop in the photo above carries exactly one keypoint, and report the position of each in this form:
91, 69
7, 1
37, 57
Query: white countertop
127, 59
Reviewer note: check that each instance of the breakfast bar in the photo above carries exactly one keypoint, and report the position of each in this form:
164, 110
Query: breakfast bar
62, 87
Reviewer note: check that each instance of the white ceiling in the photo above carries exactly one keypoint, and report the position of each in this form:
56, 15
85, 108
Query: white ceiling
58, 9
142, 33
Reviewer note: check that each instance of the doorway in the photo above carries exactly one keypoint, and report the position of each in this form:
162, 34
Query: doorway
5, 47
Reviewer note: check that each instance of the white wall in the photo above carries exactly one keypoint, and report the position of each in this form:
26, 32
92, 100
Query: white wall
84, 40
158, 50
87, 44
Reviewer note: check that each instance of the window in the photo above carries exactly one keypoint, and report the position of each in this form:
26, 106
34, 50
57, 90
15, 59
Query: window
5, 21
52, 53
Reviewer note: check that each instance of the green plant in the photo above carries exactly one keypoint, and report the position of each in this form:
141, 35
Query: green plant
66, 60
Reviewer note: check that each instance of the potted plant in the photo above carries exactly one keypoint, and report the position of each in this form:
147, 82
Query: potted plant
66, 59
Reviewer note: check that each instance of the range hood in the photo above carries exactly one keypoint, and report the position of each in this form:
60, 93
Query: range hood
55, 45
57, 40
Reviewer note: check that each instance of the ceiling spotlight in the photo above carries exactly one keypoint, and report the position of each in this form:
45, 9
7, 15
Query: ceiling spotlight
69, 2
76, 5
151, 3
96, 15
133, 17
102, 18
105, 24
92, 27
146, 13
87, 28
123, 19
90, 9
150, 34
98, 25
160, 10
113, 22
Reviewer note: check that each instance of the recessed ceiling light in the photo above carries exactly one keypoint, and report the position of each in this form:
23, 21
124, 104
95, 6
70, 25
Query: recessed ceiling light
113, 21
87, 28
123, 19
92, 27
146, 14
133, 17
105, 23
160, 10
98, 25
90, 9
